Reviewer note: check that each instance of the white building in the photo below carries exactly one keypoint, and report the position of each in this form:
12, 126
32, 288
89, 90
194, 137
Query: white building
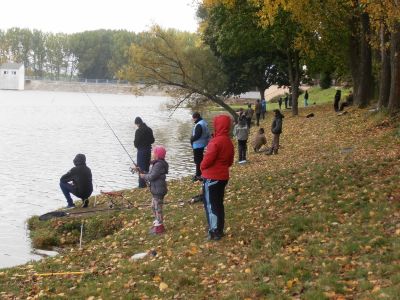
12, 76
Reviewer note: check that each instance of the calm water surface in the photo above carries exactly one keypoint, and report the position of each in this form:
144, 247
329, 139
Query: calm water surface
40, 133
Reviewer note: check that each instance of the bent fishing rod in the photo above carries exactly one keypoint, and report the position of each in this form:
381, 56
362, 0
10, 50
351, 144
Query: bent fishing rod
112, 130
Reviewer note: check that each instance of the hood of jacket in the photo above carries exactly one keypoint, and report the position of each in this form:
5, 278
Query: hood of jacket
79, 160
222, 125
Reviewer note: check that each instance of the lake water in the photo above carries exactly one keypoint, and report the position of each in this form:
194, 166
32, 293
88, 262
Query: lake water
40, 133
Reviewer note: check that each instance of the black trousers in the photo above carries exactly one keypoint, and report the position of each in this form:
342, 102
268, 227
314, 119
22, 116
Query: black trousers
258, 119
242, 148
248, 121
198, 155
143, 161
213, 191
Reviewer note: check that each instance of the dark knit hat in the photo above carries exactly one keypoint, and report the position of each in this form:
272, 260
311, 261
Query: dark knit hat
138, 120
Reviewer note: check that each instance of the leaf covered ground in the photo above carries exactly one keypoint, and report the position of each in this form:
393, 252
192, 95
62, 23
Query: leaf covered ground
320, 220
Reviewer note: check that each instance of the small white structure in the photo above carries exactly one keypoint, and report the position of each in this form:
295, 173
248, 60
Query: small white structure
12, 76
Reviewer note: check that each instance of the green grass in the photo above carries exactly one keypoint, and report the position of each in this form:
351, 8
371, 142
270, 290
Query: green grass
317, 96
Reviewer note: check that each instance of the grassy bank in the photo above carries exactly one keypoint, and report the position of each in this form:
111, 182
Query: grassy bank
317, 96
320, 220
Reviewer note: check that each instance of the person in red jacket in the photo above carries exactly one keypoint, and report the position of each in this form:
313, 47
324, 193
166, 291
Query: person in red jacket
215, 172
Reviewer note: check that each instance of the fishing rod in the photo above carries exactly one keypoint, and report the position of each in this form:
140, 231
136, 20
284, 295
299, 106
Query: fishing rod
109, 126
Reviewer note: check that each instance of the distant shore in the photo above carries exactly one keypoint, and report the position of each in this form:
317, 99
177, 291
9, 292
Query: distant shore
102, 88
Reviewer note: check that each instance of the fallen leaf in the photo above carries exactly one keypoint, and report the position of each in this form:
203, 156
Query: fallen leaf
163, 286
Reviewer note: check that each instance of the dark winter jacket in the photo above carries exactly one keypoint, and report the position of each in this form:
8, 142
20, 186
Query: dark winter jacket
219, 155
276, 127
157, 177
143, 136
81, 177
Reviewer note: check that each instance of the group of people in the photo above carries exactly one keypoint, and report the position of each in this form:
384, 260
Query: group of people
242, 132
213, 155
212, 168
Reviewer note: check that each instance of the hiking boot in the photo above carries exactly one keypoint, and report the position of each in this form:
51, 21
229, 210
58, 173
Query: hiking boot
85, 203
213, 236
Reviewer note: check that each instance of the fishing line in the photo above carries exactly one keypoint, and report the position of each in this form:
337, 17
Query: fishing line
109, 126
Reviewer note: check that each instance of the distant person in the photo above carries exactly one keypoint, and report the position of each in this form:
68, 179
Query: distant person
280, 103
241, 132
158, 187
199, 140
258, 109
249, 115
259, 140
215, 169
348, 102
263, 108
286, 101
337, 100
78, 182
143, 140
306, 99
276, 130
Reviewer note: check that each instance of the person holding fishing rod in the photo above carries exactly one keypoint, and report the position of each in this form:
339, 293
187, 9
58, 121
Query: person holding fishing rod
143, 140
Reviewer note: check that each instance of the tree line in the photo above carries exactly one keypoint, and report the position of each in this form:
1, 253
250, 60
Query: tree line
240, 44
257, 43
91, 54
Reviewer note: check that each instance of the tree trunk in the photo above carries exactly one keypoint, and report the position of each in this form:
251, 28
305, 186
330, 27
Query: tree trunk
294, 79
394, 98
221, 103
365, 88
262, 92
354, 56
384, 83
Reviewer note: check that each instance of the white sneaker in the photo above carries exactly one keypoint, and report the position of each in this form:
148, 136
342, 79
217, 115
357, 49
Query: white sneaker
242, 162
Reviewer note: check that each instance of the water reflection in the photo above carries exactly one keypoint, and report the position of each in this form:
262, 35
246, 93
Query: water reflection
42, 131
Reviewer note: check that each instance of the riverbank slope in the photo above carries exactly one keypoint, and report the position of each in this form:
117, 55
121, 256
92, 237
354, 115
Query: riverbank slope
320, 220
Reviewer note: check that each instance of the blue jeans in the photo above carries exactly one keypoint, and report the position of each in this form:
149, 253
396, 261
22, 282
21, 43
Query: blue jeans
67, 190
143, 161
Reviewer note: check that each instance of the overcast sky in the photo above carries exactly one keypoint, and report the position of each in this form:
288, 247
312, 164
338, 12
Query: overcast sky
70, 16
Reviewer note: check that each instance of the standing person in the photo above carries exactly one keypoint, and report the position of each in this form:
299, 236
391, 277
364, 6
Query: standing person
215, 168
280, 103
143, 140
286, 101
158, 187
78, 182
263, 108
249, 115
199, 140
258, 109
259, 140
276, 130
241, 132
337, 100
306, 99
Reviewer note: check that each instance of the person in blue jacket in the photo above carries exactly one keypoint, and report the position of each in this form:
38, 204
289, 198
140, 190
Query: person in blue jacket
199, 140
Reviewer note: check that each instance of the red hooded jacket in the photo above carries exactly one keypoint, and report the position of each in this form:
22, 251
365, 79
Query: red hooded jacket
220, 151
